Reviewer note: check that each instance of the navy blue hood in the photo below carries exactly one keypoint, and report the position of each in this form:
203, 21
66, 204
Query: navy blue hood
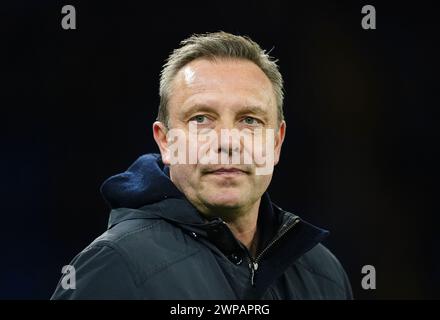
146, 181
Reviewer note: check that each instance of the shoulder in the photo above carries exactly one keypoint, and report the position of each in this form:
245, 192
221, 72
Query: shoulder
147, 246
322, 263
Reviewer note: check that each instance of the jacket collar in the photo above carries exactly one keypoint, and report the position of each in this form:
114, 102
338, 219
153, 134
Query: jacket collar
181, 213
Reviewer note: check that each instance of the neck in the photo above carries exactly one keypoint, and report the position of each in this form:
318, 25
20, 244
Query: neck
242, 222
244, 227
246, 234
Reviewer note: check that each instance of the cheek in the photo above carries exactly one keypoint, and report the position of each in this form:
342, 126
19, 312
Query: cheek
261, 148
183, 174
261, 183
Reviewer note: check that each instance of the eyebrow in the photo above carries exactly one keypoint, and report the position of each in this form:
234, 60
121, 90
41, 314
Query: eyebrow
197, 108
256, 110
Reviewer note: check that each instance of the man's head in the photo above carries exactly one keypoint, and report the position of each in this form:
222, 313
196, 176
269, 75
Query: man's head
216, 82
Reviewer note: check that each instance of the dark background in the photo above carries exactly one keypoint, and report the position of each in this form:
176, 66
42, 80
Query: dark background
360, 157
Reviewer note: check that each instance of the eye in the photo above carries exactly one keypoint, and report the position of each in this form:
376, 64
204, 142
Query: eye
199, 119
251, 121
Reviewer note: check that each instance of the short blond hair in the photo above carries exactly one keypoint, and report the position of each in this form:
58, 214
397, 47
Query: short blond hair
218, 45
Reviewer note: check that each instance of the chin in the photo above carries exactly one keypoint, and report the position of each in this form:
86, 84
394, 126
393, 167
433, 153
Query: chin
226, 200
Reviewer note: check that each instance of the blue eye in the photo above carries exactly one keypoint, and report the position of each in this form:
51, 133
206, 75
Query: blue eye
199, 119
250, 121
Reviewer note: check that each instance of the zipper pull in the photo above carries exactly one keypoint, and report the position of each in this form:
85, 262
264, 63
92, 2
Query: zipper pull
254, 267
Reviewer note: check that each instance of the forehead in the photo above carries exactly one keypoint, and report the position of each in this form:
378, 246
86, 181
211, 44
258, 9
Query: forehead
224, 82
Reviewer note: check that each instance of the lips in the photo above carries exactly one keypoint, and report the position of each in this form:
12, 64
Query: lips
227, 171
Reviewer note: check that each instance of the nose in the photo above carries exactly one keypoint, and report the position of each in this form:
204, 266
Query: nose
229, 139
229, 147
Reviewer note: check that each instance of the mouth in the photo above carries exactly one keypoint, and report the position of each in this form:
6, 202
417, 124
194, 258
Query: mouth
227, 172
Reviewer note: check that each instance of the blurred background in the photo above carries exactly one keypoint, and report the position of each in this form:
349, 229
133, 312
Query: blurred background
360, 158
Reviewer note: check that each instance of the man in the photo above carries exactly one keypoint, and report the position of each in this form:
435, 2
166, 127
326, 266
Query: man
207, 229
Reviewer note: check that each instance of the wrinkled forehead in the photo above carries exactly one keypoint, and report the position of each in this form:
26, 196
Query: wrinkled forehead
222, 80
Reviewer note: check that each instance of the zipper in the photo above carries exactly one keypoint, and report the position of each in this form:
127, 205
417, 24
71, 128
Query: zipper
253, 266
253, 263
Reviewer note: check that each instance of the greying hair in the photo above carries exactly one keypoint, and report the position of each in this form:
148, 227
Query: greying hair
218, 45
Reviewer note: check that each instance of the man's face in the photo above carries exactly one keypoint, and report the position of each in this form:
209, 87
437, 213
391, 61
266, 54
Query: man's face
216, 95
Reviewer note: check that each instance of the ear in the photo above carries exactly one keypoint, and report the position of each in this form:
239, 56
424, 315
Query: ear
160, 136
279, 139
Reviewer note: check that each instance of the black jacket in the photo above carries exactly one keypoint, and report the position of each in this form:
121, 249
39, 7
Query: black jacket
158, 246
